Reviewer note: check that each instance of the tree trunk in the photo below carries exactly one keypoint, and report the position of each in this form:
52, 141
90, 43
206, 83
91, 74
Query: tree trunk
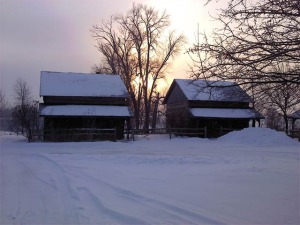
286, 120
154, 115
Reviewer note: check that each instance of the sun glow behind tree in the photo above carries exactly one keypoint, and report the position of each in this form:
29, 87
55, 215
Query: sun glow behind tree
140, 46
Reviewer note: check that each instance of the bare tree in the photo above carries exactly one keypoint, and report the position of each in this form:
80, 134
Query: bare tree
285, 100
26, 116
273, 119
22, 92
136, 45
253, 37
23, 98
3, 102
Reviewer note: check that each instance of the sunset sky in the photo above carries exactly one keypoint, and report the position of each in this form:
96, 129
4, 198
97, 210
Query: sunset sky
54, 35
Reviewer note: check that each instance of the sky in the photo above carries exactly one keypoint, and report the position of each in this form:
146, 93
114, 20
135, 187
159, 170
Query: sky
54, 35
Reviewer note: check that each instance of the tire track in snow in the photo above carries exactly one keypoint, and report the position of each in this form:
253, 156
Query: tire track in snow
178, 211
102, 214
184, 215
176, 215
58, 183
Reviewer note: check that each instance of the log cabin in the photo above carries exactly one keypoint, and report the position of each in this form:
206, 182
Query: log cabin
80, 107
216, 106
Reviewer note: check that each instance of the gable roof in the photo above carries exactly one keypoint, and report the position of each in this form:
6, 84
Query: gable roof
202, 90
295, 115
81, 84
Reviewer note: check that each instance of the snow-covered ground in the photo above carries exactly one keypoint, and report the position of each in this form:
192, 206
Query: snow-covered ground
246, 177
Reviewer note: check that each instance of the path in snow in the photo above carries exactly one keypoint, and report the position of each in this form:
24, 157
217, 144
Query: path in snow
151, 181
35, 189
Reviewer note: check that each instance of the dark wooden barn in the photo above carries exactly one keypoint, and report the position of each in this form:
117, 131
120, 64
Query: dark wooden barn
215, 107
83, 106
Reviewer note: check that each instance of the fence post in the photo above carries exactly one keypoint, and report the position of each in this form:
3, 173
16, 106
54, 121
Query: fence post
115, 134
132, 133
127, 134
205, 132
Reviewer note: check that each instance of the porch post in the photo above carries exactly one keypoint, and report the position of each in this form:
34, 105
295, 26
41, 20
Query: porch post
253, 122
293, 123
128, 127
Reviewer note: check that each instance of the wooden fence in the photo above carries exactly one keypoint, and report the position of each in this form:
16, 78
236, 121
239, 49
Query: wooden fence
189, 132
87, 134
84, 134
201, 132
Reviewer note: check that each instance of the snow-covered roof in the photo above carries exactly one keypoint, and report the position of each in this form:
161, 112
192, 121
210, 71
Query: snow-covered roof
85, 110
212, 90
81, 84
225, 113
295, 115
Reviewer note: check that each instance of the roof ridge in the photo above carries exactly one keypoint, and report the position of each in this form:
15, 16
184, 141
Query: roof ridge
59, 72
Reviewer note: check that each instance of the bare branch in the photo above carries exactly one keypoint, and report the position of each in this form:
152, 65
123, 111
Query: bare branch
133, 45
22, 92
252, 39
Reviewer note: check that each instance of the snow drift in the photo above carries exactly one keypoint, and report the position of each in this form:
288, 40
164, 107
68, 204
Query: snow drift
259, 137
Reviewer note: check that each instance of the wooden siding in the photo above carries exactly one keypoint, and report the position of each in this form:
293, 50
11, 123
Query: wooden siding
218, 104
214, 126
175, 95
63, 100
177, 115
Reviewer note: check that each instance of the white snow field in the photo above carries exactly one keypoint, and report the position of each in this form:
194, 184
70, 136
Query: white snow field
246, 177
